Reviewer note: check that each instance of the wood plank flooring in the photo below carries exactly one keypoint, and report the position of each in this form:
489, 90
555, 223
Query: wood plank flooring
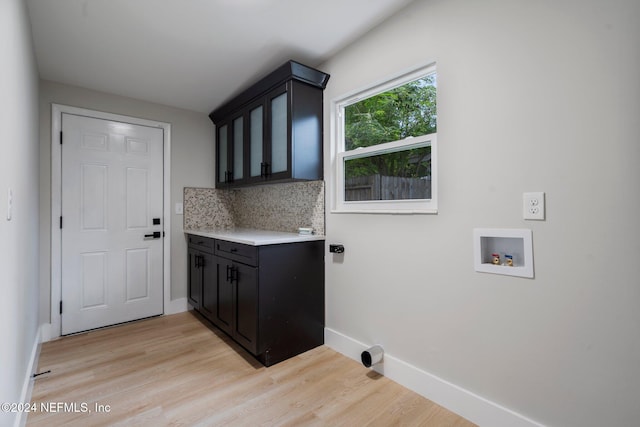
179, 371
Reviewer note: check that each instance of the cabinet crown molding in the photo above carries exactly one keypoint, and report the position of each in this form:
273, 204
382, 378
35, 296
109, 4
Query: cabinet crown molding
290, 70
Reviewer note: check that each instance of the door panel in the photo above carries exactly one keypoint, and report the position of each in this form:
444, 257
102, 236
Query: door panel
279, 134
209, 287
223, 154
93, 278
137, 207
224, 309
238, 149
246, 304
195, 279
256, 141
93, 199
138, 276
112, 188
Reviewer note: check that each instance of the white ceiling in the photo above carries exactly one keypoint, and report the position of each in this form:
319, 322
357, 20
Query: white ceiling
193, 54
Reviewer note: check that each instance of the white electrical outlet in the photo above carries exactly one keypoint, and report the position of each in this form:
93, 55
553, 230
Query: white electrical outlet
533, 206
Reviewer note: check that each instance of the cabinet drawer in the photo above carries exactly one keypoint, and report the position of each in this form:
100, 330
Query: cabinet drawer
203, 243
245, 254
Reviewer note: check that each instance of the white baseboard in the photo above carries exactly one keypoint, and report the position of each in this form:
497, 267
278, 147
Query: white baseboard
45, 332
27, 386
463, 402
176, 306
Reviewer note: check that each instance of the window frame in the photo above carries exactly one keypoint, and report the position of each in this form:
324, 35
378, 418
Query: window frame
406, 206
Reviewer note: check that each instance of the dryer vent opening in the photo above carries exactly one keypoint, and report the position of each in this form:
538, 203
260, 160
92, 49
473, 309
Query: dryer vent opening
372, 356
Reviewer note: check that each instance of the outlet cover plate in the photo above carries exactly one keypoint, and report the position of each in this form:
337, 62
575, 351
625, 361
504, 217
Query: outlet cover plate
533, 206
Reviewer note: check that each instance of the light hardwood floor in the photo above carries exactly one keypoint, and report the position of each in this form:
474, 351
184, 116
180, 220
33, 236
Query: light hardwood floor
179, 371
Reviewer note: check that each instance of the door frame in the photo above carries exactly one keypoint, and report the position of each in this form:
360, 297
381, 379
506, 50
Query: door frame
56, 203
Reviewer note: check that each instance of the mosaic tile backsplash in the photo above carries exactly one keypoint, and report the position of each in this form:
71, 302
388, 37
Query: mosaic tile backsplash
207, 208
276, 207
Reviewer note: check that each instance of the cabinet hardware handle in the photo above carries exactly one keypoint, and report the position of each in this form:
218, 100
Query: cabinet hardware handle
234, 250
228, 273
234, 274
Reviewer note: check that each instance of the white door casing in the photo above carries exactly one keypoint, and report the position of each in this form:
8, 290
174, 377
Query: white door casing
103, 268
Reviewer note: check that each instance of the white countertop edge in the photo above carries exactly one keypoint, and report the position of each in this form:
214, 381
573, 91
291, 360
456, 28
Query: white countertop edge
253, 237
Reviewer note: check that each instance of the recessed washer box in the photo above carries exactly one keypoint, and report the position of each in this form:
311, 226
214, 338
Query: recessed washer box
517, 243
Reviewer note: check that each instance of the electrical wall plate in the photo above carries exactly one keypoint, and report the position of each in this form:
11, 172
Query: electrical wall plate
533, 206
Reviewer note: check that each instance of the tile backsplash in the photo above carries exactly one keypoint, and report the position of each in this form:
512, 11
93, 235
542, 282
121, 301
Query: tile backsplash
276, 207
207, 208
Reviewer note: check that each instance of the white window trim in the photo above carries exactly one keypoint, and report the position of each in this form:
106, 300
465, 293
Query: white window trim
420, 206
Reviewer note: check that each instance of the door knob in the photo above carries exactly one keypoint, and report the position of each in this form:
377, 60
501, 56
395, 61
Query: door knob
154, 235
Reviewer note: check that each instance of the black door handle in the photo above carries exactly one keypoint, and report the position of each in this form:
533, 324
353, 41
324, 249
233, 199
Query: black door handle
154, 235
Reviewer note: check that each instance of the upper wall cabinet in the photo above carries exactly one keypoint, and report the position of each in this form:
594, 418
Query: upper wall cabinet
273, 130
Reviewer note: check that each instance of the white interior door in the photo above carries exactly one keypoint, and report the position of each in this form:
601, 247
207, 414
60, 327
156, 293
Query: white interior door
112, 191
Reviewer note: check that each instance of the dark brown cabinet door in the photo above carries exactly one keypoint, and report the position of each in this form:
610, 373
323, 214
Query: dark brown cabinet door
209, 299
224, 299
255, 136
237, 302
245, 280
230, 152
277, 147
195, 278
223, 150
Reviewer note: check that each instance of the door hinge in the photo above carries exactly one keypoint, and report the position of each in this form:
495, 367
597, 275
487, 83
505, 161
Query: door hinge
60, 137
60, 223
60, 306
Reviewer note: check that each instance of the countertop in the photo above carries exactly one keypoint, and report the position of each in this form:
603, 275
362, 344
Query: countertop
249, 236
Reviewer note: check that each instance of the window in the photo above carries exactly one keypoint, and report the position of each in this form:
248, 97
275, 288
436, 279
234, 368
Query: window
386, 147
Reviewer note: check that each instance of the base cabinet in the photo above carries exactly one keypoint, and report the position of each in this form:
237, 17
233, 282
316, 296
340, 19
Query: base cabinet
269, 299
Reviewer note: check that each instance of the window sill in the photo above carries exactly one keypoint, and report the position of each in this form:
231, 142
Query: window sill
388, 211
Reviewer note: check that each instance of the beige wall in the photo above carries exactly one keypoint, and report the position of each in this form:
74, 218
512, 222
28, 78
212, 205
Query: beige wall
19, 238
532, 96
192, 163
